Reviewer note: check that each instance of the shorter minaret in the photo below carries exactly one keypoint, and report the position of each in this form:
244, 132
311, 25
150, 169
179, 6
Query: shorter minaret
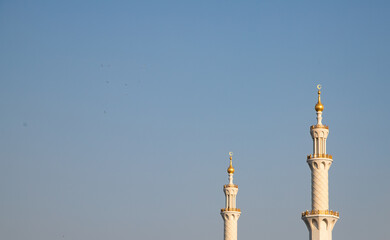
320, 220
230, 213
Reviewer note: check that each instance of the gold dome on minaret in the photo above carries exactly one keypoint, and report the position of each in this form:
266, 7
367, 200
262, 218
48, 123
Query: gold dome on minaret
231, 168
319, 107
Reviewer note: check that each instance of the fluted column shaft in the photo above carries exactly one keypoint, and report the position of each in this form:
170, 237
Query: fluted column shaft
319, 183
230, 224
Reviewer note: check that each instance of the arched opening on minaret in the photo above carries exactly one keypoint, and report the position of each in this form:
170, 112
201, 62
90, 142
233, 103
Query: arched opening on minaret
324, 224
315, 223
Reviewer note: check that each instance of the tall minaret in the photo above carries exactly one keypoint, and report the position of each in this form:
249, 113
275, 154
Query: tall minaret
319, 221
230, 213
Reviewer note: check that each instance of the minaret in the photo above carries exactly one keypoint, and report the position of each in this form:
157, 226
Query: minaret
230, 213
320, 220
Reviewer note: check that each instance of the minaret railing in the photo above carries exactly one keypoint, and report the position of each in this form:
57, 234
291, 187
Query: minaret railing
230, 210
319, 126
319, 156
319, 212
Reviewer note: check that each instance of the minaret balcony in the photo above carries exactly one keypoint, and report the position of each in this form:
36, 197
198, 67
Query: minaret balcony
230, 210
321, 212
230, 185
319, 156
319, 126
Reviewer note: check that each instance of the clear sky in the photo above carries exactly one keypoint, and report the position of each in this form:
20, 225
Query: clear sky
117, 117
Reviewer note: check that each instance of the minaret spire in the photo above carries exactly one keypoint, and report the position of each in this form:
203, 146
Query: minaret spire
230, 213
230, 170
319, 107
319, 221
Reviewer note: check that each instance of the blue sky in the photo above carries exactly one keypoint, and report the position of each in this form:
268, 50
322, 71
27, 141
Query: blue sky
118, 116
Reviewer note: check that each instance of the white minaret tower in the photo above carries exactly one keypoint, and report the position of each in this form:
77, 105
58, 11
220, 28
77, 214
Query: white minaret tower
230, 213
319, 221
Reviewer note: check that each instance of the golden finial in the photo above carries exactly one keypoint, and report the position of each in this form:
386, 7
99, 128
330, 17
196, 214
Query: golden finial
231, 168
319, 107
